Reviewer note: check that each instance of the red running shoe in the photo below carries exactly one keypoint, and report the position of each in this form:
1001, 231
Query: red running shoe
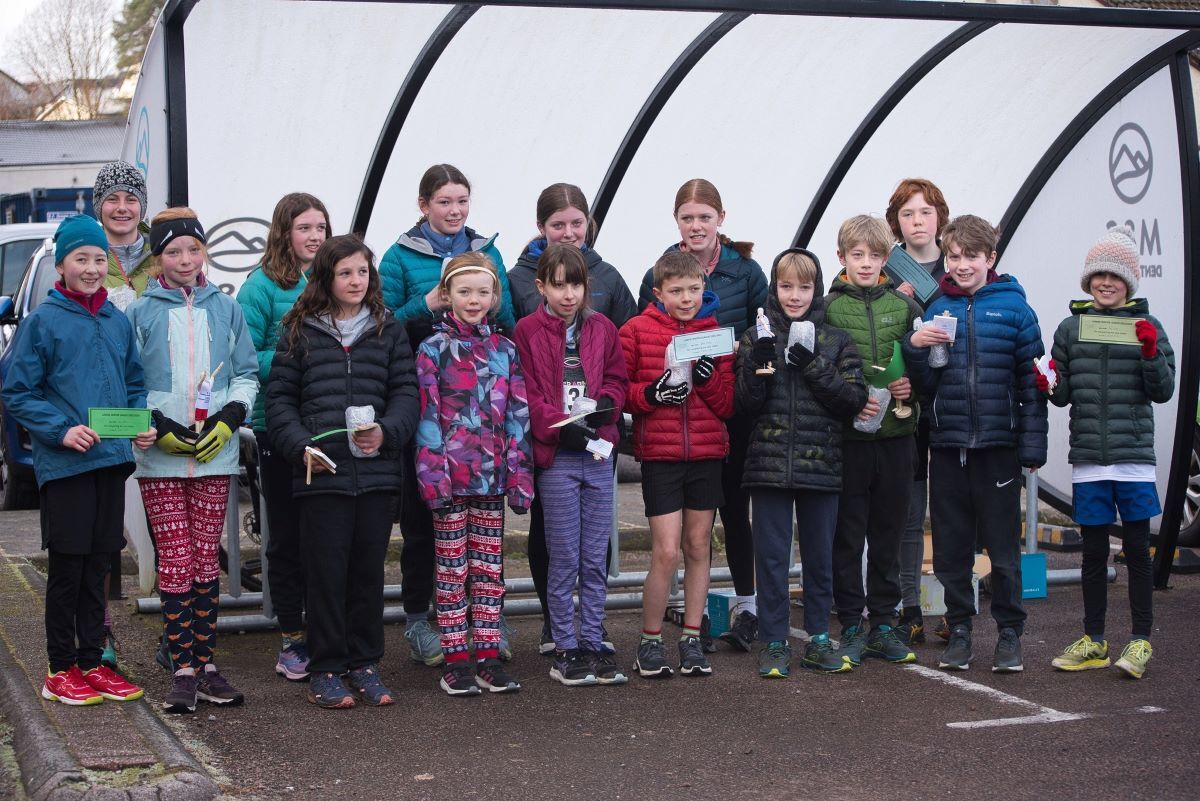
111, 684
69, 687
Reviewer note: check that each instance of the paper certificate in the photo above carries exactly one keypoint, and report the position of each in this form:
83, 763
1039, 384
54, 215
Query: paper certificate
945, 322
119, 423
902, 267
1108, 330
714, 342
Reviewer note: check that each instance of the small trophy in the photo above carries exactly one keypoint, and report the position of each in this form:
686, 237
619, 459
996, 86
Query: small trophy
762, 327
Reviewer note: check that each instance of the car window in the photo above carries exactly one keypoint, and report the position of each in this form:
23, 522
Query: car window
12, 263
43, 277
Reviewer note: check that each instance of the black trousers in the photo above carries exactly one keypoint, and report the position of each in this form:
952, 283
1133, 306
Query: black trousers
735, 514
285, 565
1135, 541
75, 609
976, 494
416, 552
344, 540
872, 513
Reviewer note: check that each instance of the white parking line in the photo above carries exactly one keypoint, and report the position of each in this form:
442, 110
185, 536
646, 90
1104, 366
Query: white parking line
1041, 714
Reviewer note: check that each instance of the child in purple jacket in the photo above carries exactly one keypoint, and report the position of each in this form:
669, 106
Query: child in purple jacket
472, 455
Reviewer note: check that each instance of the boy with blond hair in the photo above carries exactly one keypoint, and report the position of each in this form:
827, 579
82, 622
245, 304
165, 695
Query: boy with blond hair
877, 476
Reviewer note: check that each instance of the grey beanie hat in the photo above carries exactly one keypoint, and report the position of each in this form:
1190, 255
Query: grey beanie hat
118, 176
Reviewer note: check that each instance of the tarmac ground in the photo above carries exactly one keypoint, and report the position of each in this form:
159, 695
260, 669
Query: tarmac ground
882, 731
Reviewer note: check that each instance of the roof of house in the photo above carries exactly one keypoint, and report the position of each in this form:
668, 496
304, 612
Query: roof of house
28, 142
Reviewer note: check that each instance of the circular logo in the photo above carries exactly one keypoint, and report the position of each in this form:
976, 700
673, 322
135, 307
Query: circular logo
1130, 163
236, 245
141, 153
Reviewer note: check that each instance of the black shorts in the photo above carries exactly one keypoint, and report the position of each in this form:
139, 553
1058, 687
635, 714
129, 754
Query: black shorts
670, 486
85, 513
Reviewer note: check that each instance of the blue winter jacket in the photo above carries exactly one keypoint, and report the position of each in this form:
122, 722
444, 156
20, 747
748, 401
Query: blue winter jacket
65, 361
986, 396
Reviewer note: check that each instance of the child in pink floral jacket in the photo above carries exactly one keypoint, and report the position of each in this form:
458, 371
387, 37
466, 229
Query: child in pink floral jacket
473, 455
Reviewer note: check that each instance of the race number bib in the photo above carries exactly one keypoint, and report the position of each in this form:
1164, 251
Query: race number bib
571, 391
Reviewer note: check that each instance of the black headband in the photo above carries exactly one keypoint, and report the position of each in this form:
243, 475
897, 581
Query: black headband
163, 232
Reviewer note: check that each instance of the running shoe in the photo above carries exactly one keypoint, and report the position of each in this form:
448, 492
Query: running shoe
1083, 654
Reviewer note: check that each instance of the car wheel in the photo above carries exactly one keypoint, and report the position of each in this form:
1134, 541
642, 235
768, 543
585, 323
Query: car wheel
1189, 527
14, 492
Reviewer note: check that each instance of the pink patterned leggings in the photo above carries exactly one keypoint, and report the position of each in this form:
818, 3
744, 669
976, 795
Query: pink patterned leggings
186, 518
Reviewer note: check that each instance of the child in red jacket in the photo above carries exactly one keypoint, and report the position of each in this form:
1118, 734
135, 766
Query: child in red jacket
569, 353
679, 436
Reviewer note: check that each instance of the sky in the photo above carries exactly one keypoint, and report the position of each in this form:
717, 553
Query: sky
15, 12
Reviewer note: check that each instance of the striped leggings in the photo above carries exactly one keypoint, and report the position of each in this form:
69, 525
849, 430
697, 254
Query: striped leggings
469, 545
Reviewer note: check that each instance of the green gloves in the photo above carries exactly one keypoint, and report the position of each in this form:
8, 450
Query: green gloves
218, 430
173, 438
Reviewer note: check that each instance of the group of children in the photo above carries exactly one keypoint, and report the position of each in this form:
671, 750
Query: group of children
440, 389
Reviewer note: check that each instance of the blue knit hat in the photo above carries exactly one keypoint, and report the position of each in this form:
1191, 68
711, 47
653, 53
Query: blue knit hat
75, 232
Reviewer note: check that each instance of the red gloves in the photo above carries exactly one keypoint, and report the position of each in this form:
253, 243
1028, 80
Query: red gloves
1147, 334
1043, 383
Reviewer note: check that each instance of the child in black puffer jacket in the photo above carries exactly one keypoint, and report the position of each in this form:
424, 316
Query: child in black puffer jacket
341, 348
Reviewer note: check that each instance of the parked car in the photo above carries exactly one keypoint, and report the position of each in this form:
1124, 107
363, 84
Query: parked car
1189, 526
17, 243
18, 487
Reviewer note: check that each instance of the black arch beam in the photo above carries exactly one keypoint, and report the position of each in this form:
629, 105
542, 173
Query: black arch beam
174, 15
652, 107
1189, 366
437, 43
871, 122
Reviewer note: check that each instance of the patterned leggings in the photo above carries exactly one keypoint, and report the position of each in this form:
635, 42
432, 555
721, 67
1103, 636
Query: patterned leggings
186, 519
469, 539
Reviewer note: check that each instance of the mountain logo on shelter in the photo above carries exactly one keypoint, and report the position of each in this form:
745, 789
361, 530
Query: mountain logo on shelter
236, 245
141, 154
1130, 162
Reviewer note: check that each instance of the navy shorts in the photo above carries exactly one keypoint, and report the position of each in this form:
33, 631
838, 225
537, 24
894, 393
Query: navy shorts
670, 486
1097, 502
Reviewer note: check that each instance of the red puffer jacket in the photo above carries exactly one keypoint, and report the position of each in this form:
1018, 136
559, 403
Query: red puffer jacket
541, 341
687, 433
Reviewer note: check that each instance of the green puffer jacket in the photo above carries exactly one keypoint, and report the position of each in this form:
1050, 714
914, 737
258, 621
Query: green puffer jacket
264, 303
1110, 389
875, 319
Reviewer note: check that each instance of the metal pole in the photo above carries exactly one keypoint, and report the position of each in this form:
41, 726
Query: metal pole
1031, 511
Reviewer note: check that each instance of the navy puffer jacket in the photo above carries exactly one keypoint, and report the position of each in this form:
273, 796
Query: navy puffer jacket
986, 396
738, 282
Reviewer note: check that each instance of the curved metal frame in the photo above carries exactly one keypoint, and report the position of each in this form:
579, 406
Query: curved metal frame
874, 118
174, 15
653, 106
437, 43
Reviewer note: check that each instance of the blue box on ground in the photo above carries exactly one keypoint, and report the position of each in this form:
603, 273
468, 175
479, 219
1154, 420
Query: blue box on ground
1033, 575
719, 604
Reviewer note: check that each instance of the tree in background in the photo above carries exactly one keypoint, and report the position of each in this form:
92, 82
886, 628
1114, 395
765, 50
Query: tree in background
131, 30
66, 45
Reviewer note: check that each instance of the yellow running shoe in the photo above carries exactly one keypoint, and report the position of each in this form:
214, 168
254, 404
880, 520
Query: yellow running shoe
1083, 654
1134, 658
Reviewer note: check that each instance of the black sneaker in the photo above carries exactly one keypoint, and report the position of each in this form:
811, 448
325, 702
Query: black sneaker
743, 631
706, 639
606, 643
546, 644
911, 629
214, 688
606, 669
854, 642
692, 661
491, 676
573, 668
181, 698
651, 662
1007, 658
957, 655
820, 655
458, 679
884, 644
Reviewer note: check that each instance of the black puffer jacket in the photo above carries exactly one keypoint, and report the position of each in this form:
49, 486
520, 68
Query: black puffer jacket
610, 294
1110, 388
799, 415
310, 387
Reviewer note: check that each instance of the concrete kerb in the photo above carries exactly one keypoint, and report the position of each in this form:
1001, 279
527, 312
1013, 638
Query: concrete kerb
50, 772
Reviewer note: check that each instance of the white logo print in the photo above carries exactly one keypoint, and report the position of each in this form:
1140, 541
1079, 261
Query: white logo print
1005, 483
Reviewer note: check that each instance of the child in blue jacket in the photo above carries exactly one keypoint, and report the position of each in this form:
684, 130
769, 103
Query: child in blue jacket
76, 352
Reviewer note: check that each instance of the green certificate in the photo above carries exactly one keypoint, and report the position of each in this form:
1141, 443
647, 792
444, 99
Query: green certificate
1108, 330
119, 423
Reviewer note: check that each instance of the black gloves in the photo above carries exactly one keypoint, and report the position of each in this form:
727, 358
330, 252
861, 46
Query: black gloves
232, 414
603, 414
703, 370
661, 394
173, 438
799, 356
763, 350
575, 436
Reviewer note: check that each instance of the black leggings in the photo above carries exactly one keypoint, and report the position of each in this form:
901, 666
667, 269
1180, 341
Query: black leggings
1135, 539
735, 514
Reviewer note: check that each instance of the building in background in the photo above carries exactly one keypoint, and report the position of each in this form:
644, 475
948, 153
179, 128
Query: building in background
47, 168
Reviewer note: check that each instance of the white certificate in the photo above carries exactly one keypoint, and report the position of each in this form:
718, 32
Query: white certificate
945, 322
713, 342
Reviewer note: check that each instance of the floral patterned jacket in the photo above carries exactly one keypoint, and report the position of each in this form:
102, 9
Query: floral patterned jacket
473, 437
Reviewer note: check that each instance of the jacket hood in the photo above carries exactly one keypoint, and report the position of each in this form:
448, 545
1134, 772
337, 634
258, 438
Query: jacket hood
950, 286
816, 309
843, 286
536, 247
1137, 307
154, 289
457, 329
709, 303
413, 239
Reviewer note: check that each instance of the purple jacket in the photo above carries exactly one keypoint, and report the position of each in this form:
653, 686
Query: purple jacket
541, 340
473, 438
